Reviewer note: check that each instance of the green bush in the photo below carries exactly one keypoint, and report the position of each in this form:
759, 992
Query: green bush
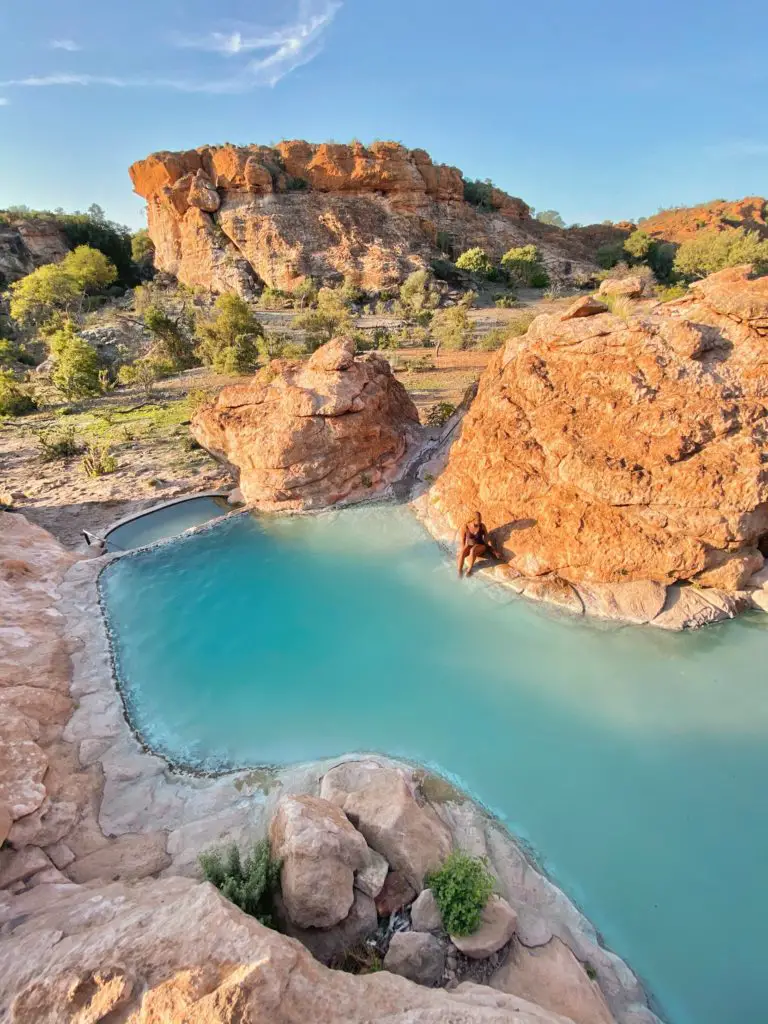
476, 261
296, 184
446, 271
479, 193
610, 254
710, 251
639, 245
667, 293
440, 413
418, 297
172, 337
98, 459
15, 399
461, 888
523, 267
250, 884
229, 341
75, 364
493, 339
505, 301
330, 319
145, 373
444, 242
58, 444
451, 328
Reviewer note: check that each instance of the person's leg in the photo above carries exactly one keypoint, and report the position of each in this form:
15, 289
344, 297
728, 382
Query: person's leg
478, 550
463, 552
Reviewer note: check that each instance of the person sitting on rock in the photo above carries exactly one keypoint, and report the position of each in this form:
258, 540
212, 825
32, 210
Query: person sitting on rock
475, 542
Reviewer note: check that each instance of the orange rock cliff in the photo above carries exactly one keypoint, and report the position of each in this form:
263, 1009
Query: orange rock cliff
238, 218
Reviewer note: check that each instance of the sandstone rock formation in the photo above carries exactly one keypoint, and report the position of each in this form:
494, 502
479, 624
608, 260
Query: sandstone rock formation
497, 926
681, 223
311, 434
612, 458
234, 219
27, 243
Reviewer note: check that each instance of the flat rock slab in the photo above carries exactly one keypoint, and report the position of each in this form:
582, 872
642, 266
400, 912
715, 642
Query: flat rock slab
551, 976
497, 926
126, 858
417, 956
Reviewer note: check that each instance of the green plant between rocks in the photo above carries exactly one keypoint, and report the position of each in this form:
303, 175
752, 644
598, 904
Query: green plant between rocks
461, 888
249, 883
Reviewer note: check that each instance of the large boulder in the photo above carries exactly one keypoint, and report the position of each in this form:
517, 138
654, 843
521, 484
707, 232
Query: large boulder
312, 434
497, 926
609, 451
382, 803
320, 852
416, 955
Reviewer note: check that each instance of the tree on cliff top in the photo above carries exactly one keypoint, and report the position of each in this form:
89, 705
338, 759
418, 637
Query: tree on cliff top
550, 217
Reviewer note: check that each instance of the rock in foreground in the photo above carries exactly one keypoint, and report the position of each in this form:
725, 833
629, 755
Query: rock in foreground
606, 452
307, 435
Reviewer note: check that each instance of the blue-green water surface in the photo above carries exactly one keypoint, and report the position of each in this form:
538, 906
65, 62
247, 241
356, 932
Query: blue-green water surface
634, 761
168, 521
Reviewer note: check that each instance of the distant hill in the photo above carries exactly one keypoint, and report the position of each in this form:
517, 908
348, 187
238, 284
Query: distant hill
681, 223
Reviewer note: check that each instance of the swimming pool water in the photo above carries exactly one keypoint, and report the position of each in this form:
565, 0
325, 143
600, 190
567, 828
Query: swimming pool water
634, 761
163, 523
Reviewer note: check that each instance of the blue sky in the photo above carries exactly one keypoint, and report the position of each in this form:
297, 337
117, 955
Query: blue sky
597, 108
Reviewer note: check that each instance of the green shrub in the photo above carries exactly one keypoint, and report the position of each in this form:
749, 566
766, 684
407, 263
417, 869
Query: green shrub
250, 884
710, 251
173, 340
461, 888
550, 217
476, 261
610, 254
98, 459
493, 339
273, 298
518, 327
639, 245
229, 340
451, 328
505, 301
145, 373
668, 293
418, 297
329, 319
439, 414
523, 267
58, 444
479, 193
296, 184
15, 399
446, 271
75, 364
444, 242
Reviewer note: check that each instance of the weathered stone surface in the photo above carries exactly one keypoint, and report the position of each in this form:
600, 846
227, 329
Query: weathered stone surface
599, 453
370, 879
60, 855
336, 427
320, 852
691, 607
639, 601
175, 950
497, 926
329, 944
127, 857
5, 822
370, 213
382, 805
587, 305
425, 913
629, 287
396, 893
417, 956
551, 976
19, 865
28, 243
731, 571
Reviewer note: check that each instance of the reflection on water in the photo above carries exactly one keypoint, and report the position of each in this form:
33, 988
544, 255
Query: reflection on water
633, 760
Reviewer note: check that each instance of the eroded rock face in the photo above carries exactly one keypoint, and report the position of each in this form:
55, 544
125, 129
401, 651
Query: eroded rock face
605, 452
28, 243
333, 428
232, 218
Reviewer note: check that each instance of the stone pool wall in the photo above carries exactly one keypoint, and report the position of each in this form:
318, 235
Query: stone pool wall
101, 907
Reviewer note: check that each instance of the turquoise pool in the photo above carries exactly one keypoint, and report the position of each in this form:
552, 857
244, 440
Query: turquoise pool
168, 521
635, 762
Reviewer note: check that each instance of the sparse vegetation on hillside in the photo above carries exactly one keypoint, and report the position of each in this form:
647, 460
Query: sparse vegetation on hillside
60, 287
711, 251
15, 398
173, 336
451, 328
229, 340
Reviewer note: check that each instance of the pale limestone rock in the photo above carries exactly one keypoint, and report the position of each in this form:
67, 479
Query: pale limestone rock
382, 805
60, 855
425, 913
731, 570
320, 851
497, 926
551, 976
127, 857
370, 879
627, 287
638, 601
417, 956
760, 579
691, 607
759, 599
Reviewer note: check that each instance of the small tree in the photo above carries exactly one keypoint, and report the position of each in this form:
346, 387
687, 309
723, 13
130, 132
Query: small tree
172, 339
142, 247
638, 246
89, 269
305, 294
451, 328
15, 399
524, 267
418, 297
76, 364
60, 287
229, 342
550, 217
329, 319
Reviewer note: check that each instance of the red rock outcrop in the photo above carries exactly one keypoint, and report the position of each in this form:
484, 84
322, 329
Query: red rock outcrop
605, 451
232, 218
27, 243
681, 223
307, 435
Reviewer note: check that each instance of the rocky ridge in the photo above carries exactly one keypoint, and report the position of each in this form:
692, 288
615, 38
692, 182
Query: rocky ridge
238, 218
307, 435
679, 224
616, 458
89, 931
28, 243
